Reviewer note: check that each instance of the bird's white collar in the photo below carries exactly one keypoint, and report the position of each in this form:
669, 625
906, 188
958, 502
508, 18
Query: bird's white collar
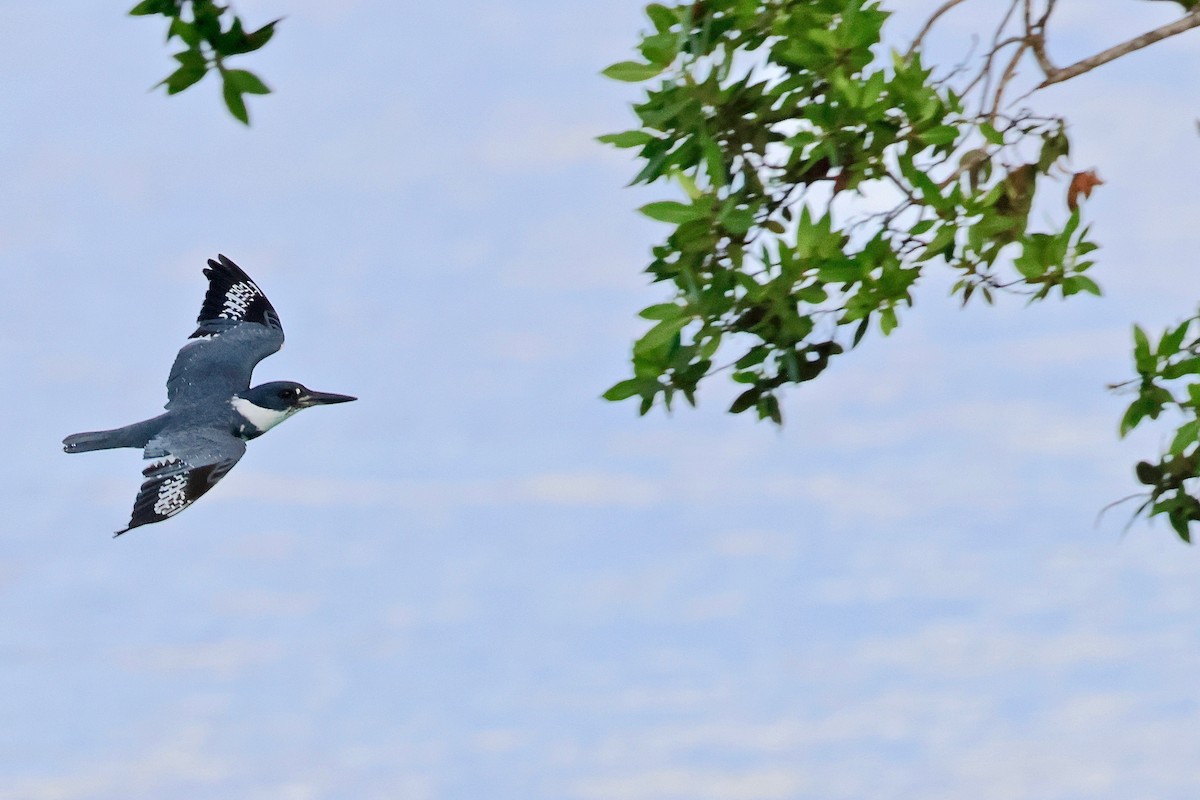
263, 419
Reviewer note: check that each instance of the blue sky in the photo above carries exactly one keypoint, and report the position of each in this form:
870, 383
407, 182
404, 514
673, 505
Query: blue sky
482, 581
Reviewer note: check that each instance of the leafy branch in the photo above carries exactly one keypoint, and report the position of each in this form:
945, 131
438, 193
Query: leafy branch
815, 179
200, 26
784, 129
1167, 380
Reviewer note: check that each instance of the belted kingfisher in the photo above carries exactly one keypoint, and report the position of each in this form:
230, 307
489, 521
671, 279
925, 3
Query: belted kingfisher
211, 410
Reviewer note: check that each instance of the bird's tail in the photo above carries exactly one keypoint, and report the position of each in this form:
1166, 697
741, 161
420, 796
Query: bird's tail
135, 435
95, 440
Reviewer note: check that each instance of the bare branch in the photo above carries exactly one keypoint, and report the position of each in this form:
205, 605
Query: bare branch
1041, 23
1009, 73
1035, 34
1053, 75
946, 6
986, 73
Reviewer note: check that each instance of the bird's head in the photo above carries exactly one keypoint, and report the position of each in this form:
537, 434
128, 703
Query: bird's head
290, 396
265, 406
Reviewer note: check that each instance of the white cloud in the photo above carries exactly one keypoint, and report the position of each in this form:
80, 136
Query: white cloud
182, 757
263, 603
719, 605
226, 659
525, 136
583, 489
754, 544
499, 741
694, 783
970, 649
588, 490
564, 250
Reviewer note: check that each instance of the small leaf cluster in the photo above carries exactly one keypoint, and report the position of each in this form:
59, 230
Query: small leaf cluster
784, 131
1167, 379
200, 25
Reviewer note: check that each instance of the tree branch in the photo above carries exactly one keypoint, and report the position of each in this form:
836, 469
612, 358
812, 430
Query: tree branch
1055, 75
1009, 73
946, 6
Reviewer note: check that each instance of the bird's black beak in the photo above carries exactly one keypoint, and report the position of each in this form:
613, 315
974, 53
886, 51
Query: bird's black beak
324, 399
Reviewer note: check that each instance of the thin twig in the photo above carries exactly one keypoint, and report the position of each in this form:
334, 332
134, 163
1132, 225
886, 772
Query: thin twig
946, 6
986, 73
1009, 73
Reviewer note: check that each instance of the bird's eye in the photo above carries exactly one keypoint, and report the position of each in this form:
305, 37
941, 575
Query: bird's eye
286, 394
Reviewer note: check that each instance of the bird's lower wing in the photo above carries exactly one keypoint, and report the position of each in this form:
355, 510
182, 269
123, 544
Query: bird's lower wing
173, 484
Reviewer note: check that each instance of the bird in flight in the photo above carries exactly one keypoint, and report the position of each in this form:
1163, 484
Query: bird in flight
211, 410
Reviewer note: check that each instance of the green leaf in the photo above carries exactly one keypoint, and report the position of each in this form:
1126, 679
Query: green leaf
245, 82
1141, 351
942, 134
662, 311
660, 334
662, 17
745, 400
687, 183
1172, 340
191, 58
660, 49
624, 389
841, 273
737, 220
1133, 415
1147, 473
235, 103
256, 39
755, 356
1189, 366
769, 408
235, 40
861, 330
185, 31
182, 78
887, 320
632, 71
1086, 284
1074, 284
626, 138
943, 242
1185, 437
147, 7
672, 211
714, 160
991, 134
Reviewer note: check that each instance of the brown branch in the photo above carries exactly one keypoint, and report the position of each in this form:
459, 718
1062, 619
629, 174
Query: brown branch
1055, 75
986, 73
1009, 73
1037, 45
946, 6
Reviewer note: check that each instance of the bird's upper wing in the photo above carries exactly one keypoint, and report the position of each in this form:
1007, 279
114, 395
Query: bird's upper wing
190, 463
237, 328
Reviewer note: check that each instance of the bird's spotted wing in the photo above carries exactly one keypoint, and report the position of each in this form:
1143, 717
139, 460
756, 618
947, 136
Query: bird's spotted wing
237, 328
232, 298
191, 464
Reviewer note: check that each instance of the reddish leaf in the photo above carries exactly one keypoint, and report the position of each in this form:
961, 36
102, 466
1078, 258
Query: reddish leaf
1082, 183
